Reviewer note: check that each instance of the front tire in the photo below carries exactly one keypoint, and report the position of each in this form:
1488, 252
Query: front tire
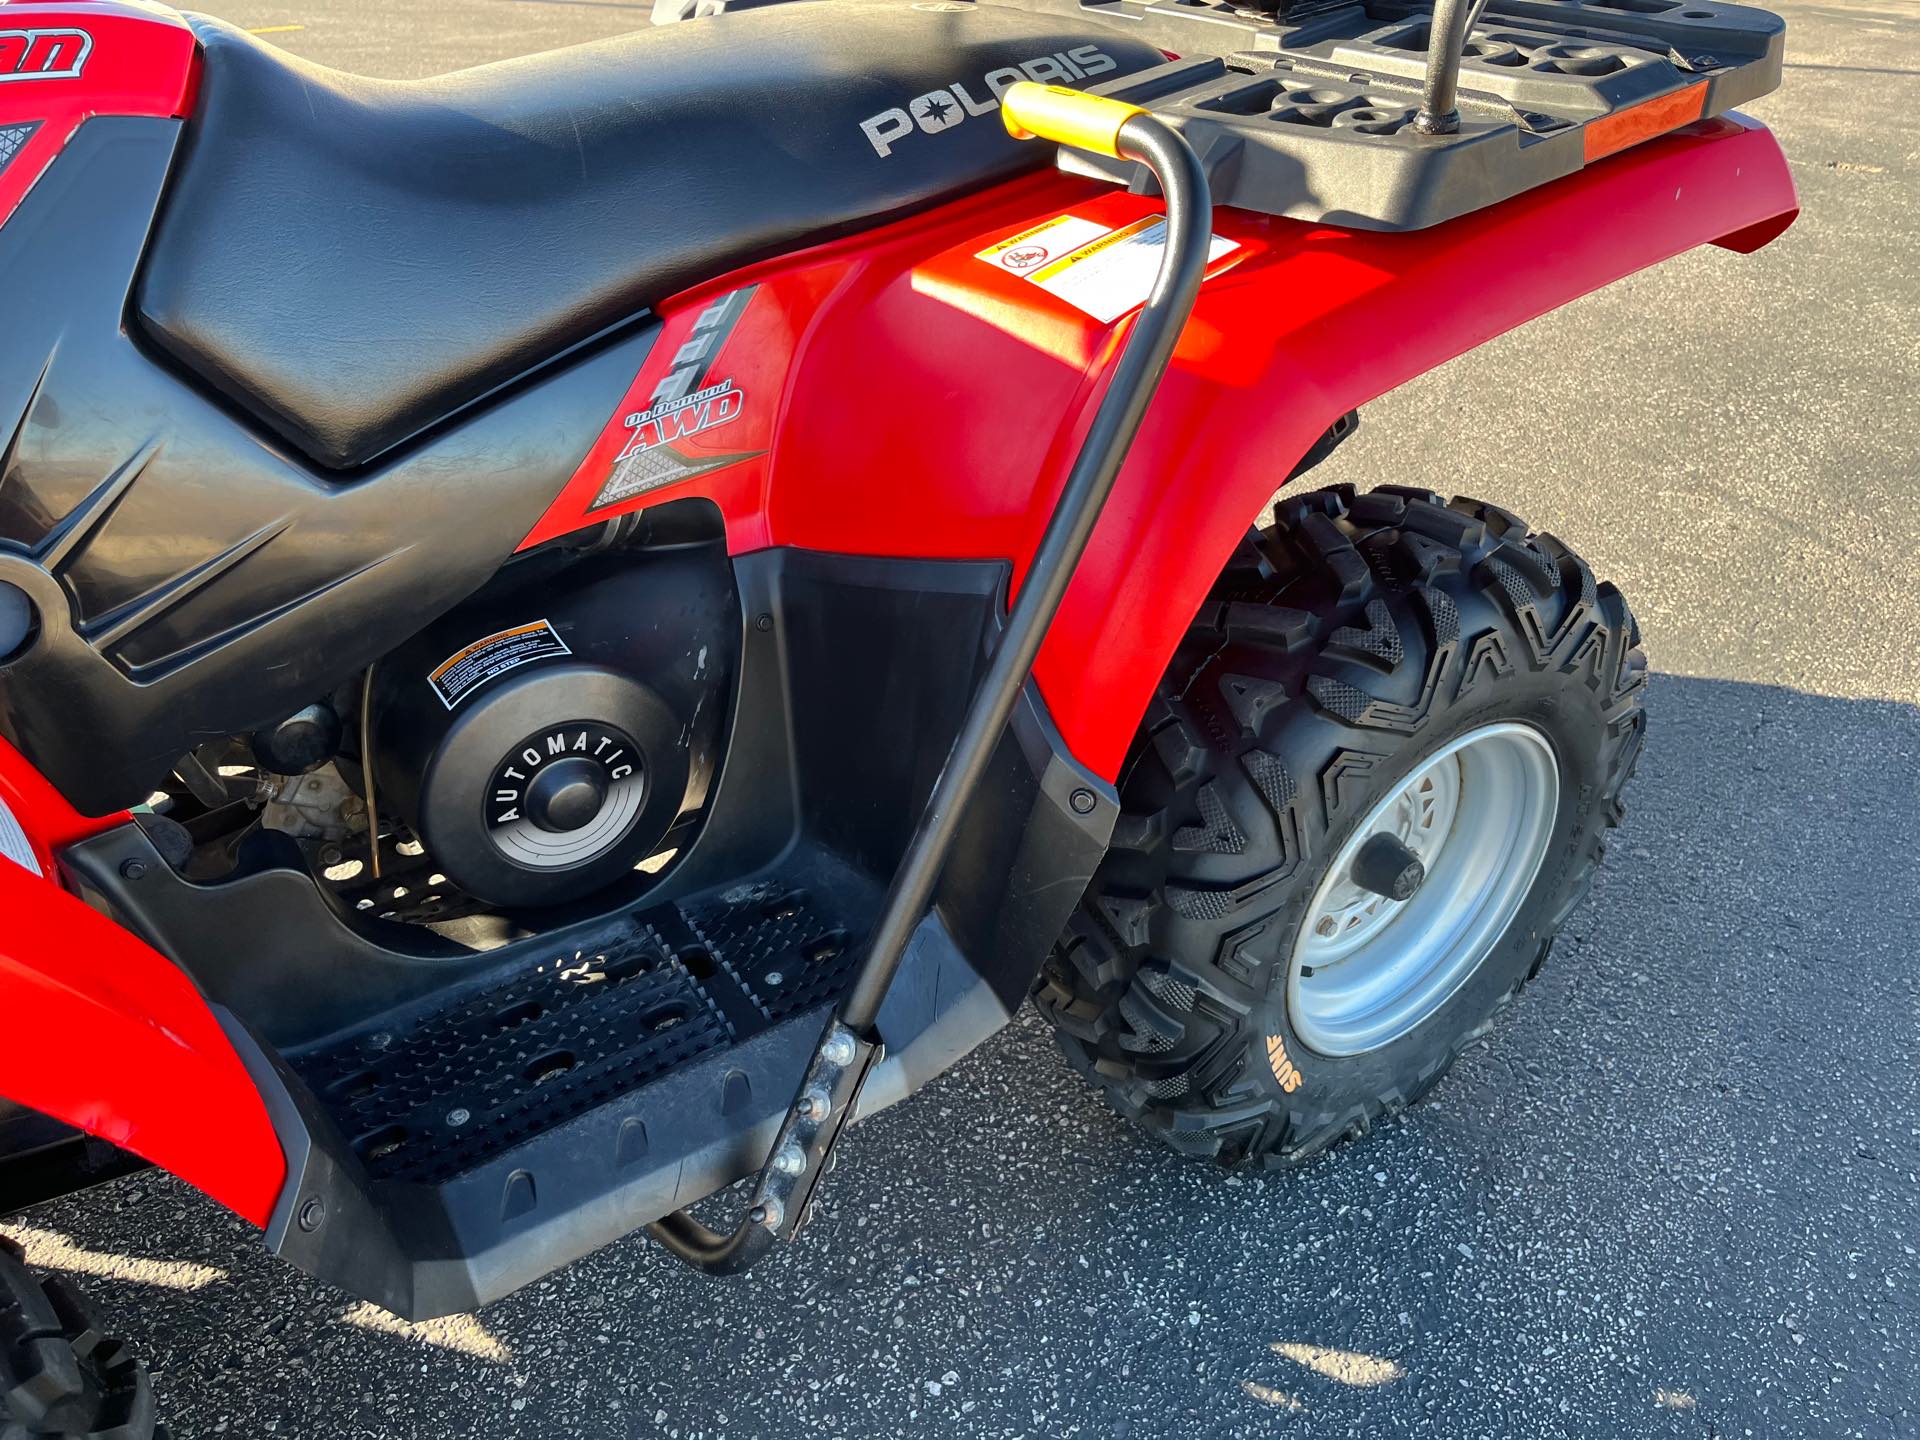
61, 1378
1387, 662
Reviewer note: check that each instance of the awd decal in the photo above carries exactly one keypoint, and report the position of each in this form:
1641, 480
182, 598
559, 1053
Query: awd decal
689, 400
946, 107
683, 418
43, 54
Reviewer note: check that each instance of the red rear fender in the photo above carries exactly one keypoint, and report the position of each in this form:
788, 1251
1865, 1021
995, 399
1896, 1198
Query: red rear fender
897, 394
1323, 321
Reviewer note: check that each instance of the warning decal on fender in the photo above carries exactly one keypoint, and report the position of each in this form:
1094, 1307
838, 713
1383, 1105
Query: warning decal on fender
471, 666
1030, 249
1095, 268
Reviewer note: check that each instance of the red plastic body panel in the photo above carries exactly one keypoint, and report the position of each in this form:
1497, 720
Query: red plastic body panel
43, 812
902, 397
64, 63
105, 1033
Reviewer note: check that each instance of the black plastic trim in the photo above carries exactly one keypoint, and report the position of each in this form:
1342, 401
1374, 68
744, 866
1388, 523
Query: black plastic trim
1313, 111
818, 775
277, 583
422, 1251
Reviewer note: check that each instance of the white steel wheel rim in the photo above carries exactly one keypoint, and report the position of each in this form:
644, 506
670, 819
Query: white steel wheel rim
1480, 815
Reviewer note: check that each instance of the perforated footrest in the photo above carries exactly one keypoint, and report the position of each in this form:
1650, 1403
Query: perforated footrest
428, 1098
785, 952
516, 1059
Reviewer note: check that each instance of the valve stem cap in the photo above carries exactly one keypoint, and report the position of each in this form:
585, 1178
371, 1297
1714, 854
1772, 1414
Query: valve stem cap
1387, 867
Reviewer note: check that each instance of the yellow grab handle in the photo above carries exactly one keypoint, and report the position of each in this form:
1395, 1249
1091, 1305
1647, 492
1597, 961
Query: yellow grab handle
1067, 117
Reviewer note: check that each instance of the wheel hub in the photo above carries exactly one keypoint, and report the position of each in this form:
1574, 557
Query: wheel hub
1423, 890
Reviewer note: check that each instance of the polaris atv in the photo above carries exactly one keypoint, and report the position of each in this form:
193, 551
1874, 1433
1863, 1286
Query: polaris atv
568, 629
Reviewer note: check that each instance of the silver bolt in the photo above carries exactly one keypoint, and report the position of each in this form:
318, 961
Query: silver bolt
1326, 926
458, 1116
839, 1050
817, 1105
774, 977
768, 1213
791, 1160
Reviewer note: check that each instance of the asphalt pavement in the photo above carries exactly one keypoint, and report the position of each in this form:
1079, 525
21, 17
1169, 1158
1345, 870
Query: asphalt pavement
1676, 1193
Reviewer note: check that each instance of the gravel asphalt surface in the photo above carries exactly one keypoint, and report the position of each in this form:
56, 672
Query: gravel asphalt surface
1676, 1193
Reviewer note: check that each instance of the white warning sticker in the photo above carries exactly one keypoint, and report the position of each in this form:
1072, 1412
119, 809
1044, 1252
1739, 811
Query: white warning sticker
471, 666
1030, 249
1093, 267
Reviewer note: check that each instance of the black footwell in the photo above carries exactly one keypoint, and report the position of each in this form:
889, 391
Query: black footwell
586, 1021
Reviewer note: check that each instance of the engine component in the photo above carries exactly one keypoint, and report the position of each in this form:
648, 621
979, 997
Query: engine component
303, 740
316, 806
541, 740
203, 770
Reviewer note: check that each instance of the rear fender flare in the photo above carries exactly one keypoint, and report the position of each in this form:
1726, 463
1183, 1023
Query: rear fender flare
1354, 315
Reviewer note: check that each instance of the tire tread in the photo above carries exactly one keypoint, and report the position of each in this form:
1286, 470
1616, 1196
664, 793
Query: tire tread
61, 1376
1344, 593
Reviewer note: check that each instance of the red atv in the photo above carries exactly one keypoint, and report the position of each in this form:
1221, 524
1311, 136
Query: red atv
569, 628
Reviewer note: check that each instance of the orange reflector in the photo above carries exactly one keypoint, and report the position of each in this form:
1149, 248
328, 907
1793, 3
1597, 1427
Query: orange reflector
1612, 133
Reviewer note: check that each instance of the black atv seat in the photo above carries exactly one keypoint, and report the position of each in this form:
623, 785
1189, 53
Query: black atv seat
352, 260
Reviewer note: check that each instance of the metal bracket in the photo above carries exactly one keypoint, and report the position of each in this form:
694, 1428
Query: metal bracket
783, 1198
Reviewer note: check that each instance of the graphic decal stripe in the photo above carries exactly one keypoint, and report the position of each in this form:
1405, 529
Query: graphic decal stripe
691, 397
12, 139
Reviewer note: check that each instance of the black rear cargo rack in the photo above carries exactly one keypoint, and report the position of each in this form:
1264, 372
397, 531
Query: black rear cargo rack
1314, 111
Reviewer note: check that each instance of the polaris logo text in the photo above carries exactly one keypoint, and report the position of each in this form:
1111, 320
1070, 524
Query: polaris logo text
946, 107
683, 418
43, 54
